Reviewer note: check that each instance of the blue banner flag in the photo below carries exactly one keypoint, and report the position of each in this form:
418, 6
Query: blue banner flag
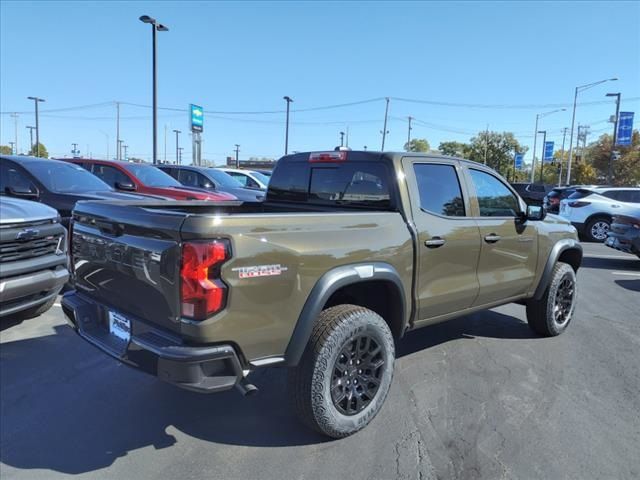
518, 160
197, 118
625, 128
548, 152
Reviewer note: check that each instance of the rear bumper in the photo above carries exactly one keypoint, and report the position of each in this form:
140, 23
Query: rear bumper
622, 243
30, 290
200, 368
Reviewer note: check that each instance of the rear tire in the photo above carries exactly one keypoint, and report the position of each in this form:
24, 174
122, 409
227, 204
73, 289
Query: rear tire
596, 229
345, 372
551, 315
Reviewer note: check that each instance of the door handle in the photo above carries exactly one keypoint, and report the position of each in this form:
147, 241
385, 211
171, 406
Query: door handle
435, 242
492, 238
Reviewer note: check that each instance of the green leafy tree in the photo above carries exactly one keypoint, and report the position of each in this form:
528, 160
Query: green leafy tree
43, 151
625, 169
5, 150
454, 149
498, 149
583, 173
417, 145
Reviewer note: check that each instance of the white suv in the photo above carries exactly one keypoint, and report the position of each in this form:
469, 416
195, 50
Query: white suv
590, 209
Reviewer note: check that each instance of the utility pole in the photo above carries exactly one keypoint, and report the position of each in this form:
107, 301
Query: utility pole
486, 143
13, 144
347, 136
564, 136
341, 139
15, 124
180, 155
31, 129
409, 130
615, 135
384, 128
544, 144
237, 155
37, 100
117, 130
73, 149
165, 143
119, 151
125, 152
177, 132
286, 131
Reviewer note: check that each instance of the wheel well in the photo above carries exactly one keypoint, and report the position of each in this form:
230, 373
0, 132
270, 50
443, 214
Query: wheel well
572, 256
606, 216
380, 296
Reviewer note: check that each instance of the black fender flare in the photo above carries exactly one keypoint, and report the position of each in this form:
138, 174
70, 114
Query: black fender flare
556, 251
328, 284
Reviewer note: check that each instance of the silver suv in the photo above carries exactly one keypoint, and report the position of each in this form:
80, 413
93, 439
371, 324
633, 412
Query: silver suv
590, 209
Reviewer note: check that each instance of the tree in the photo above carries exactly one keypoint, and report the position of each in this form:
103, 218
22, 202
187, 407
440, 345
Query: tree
454, 149
5, 150
499, 150
43, 151
417, 145
583, 173
625, 170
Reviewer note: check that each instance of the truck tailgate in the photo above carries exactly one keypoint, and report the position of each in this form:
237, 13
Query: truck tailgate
127, 258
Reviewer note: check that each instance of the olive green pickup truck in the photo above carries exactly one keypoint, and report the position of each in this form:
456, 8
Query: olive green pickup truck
349, 251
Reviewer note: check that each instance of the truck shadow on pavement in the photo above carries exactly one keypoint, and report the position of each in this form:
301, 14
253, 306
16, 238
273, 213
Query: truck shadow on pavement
69, 408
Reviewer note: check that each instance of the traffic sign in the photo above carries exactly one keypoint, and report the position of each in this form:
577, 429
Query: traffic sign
548, 152
518, 160
197, 118
625, 128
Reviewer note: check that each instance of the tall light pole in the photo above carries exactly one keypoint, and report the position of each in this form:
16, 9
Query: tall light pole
286, 131
384, 128
15, 125
409, 130
117, 130
544, 143
37, 100
155, 26
237, 155
31, 129
615, 134
564, 136
126, 147
177, 132
180, 155
579, 88
120, 142
342, 139
13, 144
535, 140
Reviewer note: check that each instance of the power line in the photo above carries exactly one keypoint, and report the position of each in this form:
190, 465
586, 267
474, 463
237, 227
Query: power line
505, 106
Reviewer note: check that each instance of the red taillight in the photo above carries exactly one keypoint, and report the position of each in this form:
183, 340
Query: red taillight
202, 291
339, 156
579, 204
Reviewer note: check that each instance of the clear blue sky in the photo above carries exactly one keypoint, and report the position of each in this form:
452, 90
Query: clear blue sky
234, 56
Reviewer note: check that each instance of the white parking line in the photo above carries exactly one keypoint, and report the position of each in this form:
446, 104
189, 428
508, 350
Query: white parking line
624, 257
631, 274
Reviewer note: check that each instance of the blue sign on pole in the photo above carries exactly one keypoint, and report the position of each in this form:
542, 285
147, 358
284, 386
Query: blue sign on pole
625, 128
197, 118
548, 152
518, 160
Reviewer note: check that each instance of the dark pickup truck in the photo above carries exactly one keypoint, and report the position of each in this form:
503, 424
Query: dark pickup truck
348, 252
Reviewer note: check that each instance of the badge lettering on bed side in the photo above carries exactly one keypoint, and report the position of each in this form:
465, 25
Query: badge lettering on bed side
260, 271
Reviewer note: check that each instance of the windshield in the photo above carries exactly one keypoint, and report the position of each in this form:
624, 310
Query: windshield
151, 176
224, 179
60, 177
262, 177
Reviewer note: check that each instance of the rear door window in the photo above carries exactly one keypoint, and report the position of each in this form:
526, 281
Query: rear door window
109, 175
439, 189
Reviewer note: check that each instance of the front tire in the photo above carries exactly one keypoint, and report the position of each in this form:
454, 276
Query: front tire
551, 315
345, 372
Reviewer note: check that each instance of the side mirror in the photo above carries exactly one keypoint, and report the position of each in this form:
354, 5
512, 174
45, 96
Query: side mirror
126, 186
22, 192
535, 212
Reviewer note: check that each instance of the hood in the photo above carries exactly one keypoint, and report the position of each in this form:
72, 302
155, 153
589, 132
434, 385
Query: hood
15, 210
200, 193
109, 195
557, 219
247, 194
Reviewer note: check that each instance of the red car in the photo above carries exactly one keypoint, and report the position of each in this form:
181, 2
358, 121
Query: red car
144, 178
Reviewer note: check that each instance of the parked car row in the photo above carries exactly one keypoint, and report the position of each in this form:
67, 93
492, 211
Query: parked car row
624, 234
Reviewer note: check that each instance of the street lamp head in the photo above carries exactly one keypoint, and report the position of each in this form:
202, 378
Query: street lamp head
288, 99
162, 28
613, 79
612, 95
147, 19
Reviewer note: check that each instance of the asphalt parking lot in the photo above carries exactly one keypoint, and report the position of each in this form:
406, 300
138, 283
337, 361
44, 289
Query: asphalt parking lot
478, 397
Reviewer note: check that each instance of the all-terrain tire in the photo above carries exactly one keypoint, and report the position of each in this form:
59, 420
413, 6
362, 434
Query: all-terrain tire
337, 330
551, 315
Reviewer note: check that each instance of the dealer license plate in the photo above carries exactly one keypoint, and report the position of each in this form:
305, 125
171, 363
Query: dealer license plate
119, 326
